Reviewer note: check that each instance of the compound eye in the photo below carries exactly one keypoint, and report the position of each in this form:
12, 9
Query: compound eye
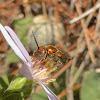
35, 53
42, 50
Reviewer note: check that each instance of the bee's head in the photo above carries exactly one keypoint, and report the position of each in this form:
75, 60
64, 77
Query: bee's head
40, 52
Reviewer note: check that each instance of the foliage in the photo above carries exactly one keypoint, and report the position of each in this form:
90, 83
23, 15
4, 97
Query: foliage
15, 86
40, 95
91, 86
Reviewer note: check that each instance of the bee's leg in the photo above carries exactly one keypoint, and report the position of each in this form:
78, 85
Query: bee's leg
46, 56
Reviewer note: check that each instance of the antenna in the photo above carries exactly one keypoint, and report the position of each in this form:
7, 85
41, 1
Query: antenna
35, 40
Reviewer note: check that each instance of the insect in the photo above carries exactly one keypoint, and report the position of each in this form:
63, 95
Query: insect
55, 56
47, 59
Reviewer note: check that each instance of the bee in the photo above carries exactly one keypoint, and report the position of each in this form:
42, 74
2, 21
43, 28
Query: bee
46, 59
51, 54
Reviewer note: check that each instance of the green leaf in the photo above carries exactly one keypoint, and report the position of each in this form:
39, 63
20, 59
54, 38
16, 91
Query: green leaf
18, 96
15, 86
4, 81
14, 96
40, 95
1, 93
91, 87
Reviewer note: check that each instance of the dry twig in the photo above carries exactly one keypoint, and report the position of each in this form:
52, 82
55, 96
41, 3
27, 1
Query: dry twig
86, 13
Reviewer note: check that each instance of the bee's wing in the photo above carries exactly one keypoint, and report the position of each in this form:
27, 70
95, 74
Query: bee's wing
65, 54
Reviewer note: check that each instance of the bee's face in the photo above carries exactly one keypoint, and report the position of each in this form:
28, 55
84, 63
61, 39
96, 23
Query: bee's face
40, 52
